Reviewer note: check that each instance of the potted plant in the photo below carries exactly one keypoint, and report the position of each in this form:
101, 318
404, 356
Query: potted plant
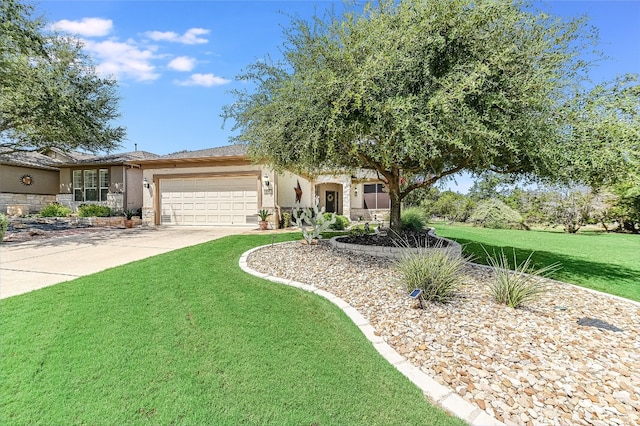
263, 214
128, 218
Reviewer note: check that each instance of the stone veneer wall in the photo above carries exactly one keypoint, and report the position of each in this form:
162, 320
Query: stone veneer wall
114, 200
377, 215
33, 202
395, 252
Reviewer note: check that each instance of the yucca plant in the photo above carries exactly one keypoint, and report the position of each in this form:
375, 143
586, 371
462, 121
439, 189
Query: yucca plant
520, 285
437, 272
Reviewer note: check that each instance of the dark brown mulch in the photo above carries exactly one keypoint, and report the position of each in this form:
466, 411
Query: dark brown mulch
391, 239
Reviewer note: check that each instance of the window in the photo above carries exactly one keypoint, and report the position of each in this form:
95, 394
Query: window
90, 185
375, 197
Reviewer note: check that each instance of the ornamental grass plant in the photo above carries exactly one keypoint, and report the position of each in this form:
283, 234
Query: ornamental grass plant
438, 272
413, 219
521, 285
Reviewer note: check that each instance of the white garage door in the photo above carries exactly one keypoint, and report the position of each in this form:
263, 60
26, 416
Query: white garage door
209, 201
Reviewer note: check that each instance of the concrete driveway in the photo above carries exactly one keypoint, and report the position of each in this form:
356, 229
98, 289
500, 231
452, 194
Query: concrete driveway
35, 264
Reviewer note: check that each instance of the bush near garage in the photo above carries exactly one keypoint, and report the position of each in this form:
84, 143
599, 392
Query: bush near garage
93, 210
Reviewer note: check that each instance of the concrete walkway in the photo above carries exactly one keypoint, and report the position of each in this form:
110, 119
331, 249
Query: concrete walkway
39, 263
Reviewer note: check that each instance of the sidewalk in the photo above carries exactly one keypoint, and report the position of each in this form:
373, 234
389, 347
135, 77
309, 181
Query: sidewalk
35, 264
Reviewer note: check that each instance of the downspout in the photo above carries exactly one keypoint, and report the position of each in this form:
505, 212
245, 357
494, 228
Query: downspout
124, 190
275, 199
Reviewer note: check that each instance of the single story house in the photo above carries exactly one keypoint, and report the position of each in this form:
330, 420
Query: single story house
31, 180
216, 186
113, 180
222, 186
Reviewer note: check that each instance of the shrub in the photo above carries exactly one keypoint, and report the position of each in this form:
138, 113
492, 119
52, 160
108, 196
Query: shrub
437, 272
518, 286
495, 214
4, 223
55, 210
286, 220
91, 210
413, 219
341, 222
362, 229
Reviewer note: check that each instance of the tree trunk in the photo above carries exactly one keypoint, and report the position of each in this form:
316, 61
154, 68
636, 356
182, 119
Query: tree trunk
393, 185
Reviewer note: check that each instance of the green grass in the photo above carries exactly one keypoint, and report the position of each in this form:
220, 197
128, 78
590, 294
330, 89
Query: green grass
188, 338
600, 261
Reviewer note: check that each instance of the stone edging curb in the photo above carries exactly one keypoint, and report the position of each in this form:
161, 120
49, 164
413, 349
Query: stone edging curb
441, 395
394, 252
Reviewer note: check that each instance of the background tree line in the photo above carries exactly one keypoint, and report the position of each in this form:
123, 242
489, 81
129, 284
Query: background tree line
494, 201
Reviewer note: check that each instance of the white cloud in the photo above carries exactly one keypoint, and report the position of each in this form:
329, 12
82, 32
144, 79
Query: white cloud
206, 80
124, 60
87, 27
182, 63
189, 37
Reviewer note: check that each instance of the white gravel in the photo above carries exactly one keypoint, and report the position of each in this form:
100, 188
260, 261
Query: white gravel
530, 366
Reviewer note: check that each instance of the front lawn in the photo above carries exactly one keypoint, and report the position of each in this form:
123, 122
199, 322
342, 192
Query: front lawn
601, 261
188, 338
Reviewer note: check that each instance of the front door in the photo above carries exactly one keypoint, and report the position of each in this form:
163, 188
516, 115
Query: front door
330, 201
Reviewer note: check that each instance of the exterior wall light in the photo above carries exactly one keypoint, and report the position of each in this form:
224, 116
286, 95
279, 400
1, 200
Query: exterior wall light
145, 183
267, 189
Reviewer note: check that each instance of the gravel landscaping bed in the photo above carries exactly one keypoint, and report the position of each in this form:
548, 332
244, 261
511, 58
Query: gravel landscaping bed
24, 229
560, 360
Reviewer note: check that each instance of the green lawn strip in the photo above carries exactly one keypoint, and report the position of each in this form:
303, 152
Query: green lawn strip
601, 261
188, 338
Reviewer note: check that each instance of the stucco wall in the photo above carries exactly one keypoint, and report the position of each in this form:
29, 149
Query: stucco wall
134, 188
286, 193
45, 182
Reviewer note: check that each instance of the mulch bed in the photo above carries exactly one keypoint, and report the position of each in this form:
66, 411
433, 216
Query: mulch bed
390, 239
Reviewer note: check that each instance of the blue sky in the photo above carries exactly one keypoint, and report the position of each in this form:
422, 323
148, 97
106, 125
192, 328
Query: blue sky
176, 61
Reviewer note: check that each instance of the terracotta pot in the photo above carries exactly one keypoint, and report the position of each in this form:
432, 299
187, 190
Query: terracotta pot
128, 223
264, 225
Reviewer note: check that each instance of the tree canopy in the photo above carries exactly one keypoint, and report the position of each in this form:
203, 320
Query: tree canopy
51, 95
420, 90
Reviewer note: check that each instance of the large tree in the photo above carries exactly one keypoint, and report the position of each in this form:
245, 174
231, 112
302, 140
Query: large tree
420, 90
50, 93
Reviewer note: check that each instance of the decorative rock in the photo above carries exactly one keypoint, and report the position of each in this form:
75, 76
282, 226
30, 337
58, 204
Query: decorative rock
535, 362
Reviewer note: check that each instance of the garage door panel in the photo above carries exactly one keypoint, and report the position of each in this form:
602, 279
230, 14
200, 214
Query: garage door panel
209, 201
